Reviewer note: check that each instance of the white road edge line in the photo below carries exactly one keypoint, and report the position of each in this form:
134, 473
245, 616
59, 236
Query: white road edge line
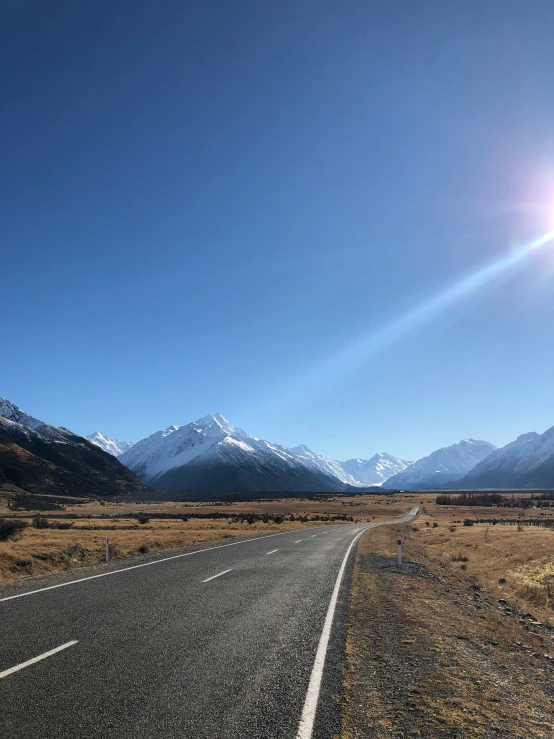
307, 719
306, 725
29, 662
272, 551
218, 575
146, 564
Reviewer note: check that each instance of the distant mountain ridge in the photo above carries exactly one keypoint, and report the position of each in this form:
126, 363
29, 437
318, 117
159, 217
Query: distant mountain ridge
37, 457
112, 446
526, 462
375, 471
442, 466
211, 453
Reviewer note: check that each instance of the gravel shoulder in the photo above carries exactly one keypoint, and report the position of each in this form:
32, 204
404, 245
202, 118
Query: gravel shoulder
431, 654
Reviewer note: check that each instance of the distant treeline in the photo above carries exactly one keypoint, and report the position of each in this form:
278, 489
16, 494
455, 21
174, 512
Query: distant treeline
543, 523
469, 499
537, 500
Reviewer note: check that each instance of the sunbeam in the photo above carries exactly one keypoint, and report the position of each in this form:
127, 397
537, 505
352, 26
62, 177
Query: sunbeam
370, 343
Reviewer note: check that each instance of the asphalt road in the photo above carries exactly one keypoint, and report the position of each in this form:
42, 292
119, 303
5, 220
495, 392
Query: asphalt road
177, 649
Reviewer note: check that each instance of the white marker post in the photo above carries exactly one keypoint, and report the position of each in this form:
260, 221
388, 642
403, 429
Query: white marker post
107, 549
399, 550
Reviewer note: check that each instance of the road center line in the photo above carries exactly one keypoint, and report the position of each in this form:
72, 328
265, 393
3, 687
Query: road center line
313, 536
218, 575
30, 662
273, 551
298, 542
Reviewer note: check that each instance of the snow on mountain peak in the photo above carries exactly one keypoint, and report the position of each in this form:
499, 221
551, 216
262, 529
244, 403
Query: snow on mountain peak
443, 465
10, 411
215, 421
376, 470
113, 446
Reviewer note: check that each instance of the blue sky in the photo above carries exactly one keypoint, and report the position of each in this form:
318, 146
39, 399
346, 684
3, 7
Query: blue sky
216, 207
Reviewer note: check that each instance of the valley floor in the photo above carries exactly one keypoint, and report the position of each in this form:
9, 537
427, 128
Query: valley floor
75, 536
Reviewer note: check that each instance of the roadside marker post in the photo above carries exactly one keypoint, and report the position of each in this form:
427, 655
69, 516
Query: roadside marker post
107, 549
399, 550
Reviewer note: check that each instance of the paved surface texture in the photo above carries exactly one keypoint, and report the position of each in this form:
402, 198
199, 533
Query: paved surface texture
169, 650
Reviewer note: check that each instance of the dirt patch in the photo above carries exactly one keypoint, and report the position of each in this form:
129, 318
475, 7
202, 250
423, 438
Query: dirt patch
431, 653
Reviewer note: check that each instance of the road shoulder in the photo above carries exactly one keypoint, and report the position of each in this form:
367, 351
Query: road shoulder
429, 655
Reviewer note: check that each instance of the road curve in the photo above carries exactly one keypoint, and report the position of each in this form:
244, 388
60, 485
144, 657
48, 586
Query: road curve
223, 644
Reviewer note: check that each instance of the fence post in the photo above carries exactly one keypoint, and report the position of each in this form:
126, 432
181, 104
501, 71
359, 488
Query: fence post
399, 550
107, 549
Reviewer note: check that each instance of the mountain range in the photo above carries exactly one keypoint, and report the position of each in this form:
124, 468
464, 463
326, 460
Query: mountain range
526, 462
212, 455
442, 466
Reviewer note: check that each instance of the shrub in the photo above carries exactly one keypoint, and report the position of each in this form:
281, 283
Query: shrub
143, 518
463, 567
144, 549
502, 581
468, 522
452, 529
10, 527
435, 525
41, 522
459, 558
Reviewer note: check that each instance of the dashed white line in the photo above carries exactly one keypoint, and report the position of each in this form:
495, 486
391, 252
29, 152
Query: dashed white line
144, 564
272, 551
218, 575
30, 662
298, 542
313, 536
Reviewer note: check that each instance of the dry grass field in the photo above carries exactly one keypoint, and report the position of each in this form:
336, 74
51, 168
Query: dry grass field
432, 654
76, 535
513, 562
460, 641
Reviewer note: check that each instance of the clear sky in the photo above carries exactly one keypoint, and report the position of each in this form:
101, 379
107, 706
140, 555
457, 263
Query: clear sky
236, 207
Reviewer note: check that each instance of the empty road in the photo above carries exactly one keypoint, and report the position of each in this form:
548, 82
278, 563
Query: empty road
231, 642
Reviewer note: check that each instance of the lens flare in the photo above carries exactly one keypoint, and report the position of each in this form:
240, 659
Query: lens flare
369, 344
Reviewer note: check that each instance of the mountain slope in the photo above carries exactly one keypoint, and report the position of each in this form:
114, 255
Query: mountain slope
12, 413
39, 458
442, 466
327, 466
211, 454
527, 461
112, 446
376, 470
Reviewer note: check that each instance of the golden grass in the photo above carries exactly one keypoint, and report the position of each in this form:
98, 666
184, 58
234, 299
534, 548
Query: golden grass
522, 558
425, 659
39, 551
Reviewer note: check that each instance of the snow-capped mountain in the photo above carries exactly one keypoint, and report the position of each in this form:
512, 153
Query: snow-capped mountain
36, 457
55, 433
328, 466
374, 471
112, 446
211, 454
527, 461
442, 466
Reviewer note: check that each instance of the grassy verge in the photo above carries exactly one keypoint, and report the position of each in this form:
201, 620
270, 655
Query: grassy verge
430, 650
